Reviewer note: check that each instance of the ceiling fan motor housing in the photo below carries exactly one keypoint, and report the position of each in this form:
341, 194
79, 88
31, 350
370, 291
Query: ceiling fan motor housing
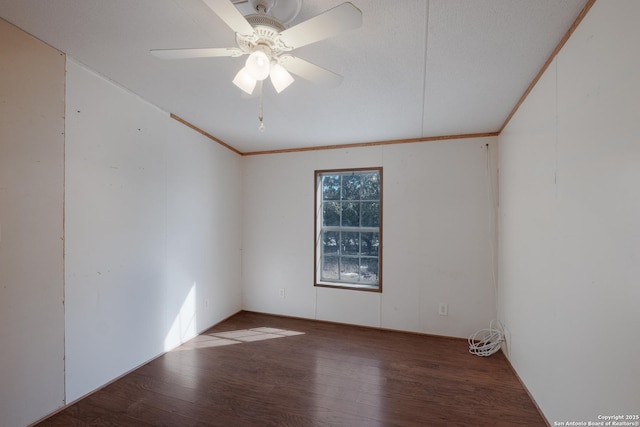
262, 19
266, 31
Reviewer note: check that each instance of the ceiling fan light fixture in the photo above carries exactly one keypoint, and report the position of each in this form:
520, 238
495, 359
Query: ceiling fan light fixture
258, 65
245, 81
280, 77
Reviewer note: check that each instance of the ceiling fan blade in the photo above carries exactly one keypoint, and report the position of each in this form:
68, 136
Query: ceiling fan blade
334, 21
231, 16
196, 53
309, 71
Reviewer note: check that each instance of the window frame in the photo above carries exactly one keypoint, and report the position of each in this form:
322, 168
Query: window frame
318, 229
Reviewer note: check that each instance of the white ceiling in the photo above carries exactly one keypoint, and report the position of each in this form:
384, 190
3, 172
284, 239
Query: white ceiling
416, 68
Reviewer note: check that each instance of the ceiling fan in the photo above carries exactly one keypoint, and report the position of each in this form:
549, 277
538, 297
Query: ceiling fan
268, 42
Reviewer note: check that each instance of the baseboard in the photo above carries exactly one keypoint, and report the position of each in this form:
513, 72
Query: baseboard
378, 328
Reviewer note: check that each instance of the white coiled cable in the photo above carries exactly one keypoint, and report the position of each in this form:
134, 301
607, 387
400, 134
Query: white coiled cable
485, 342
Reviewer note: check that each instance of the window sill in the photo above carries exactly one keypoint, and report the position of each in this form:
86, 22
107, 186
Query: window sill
350, 286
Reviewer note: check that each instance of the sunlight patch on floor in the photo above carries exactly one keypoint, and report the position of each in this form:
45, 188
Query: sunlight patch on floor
218, 339
255, 334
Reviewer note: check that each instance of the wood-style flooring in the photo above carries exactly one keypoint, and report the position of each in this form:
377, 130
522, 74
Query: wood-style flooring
261, 370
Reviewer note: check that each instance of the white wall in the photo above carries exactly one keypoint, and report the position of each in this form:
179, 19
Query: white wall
150, 214
153, 232
569, 230
31, 199
436, 234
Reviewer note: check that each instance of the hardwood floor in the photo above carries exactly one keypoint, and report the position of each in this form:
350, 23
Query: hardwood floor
328, 375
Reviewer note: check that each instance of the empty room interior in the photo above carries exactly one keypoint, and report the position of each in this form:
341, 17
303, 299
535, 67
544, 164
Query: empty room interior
154, 186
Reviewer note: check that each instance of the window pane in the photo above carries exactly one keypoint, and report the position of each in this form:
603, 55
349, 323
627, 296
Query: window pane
369, 270
350, 243
370, 214
351, 187
331, 187
349, 269
349, 228
331, 214
330, 268
370, 243
330, 242
350, 214
371, 186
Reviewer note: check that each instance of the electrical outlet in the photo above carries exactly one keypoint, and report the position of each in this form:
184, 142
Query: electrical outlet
281, 293
443, 309
206, 303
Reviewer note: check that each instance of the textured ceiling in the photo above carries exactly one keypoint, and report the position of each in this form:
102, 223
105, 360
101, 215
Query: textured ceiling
415, 69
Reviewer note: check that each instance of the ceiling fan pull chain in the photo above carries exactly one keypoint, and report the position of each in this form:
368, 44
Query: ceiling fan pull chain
261, 115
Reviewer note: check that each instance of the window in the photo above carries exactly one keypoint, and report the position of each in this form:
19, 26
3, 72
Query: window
348, 231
